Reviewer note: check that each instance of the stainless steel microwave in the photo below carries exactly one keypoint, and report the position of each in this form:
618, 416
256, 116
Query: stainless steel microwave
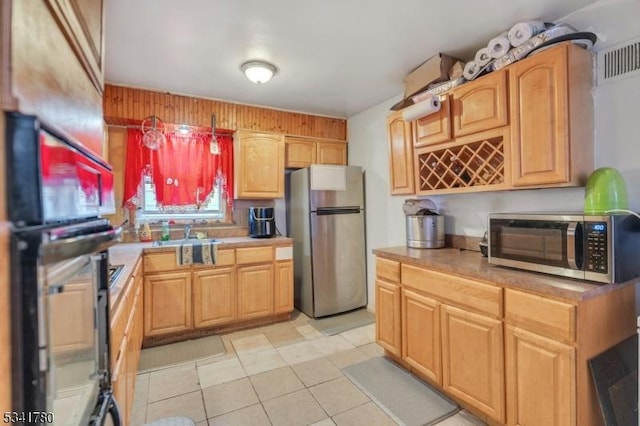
605, 248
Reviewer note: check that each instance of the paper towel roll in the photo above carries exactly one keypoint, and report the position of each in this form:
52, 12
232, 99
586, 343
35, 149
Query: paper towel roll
498, 46
471, 70
523, 31
482, 57
421, 109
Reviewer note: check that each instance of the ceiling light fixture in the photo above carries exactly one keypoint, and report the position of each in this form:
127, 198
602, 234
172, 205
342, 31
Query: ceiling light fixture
258, 72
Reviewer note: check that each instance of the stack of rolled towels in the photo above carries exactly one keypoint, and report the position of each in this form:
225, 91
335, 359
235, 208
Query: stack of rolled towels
500, 45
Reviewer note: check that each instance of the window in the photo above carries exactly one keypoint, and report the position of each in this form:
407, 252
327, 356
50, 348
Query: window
213, 210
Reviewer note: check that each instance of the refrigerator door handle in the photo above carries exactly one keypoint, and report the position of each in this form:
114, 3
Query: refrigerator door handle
337, 210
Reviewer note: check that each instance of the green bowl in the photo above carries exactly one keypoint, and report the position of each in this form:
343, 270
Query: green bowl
605, 191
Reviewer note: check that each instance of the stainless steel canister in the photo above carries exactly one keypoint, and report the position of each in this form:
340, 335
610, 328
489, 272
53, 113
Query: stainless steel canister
425, 231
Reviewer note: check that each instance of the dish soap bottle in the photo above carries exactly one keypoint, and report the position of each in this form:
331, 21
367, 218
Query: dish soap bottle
165, 231
145, 234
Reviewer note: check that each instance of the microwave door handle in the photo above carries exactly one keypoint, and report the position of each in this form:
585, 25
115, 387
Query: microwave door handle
571, 245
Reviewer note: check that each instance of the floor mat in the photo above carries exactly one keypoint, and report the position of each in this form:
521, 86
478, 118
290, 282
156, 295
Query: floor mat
336, 324
176, 353
402, 396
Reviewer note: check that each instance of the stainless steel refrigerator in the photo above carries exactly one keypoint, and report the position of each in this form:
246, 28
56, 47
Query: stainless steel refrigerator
326, 222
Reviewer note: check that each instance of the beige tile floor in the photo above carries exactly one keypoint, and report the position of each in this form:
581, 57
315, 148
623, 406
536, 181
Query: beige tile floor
284, 374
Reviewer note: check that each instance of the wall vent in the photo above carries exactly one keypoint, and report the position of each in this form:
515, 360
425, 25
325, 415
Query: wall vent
619, 61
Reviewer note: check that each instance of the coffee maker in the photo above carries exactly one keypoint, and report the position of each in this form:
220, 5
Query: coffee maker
262, 222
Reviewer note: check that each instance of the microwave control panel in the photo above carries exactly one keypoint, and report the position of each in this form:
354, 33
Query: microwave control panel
596, 247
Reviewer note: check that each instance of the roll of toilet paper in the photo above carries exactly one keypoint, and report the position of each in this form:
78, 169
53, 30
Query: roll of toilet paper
482, 57
421, 109
523, 31
471, 70
499, 46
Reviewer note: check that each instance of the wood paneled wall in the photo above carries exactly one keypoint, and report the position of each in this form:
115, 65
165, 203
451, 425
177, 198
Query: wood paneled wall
123, 104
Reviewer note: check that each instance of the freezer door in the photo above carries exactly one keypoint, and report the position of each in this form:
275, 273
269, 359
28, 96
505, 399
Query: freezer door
338, 260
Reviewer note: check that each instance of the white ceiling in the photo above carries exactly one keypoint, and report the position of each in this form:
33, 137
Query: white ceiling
335, 57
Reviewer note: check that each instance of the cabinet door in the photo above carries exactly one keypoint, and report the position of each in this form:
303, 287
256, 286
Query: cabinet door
76, 301
167, 303
299, 152
255, 291
131, 368
473, 360
434, 128
388, 320
259, 161
331, 153
283, 287
214, 297
421, 334
539, 108
481, 104
540, 380
119, 381
400, 155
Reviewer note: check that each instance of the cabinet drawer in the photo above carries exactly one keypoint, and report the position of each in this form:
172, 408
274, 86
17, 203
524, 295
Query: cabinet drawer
540, 315
468, 293
388, 269
254, 255
159, 262
223, 258
118, 325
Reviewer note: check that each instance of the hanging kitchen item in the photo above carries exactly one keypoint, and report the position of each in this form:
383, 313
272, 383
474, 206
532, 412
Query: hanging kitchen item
152, 136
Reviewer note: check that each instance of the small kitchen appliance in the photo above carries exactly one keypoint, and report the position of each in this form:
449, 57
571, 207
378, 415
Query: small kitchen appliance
262, 222
605, 191
601, 248
424, 226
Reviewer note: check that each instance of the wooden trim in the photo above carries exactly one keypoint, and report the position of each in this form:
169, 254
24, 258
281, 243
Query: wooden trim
9, 102
126, 103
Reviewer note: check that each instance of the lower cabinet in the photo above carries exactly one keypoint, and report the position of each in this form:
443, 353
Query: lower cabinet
473, 360
421, 334
214, 297
283, 287
255, 291
388, 320
167, 305
540, 380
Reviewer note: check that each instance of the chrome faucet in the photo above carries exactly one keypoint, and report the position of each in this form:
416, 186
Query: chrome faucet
187, 230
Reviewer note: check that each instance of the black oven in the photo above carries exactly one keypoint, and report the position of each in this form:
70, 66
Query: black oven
601, 248
56, 196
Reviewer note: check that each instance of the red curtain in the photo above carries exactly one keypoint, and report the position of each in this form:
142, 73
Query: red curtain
183, 169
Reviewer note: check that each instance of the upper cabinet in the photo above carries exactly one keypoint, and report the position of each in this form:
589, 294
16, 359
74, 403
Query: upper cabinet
259, 165
302, 152
400, 154
527, 125
480, 105
54, 67
552, 116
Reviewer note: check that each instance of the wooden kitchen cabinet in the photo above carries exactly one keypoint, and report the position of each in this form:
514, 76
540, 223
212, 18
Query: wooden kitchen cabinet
540, 382
421, 347
331, 153
400, 155
388, 319
168, 306
76, 301
552, 117
214, 297
480, 105
283, 287
433, 128
299, 152
255, 291
259, 165
473, 359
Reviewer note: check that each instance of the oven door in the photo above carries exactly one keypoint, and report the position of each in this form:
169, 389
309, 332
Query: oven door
70, 326
542, 245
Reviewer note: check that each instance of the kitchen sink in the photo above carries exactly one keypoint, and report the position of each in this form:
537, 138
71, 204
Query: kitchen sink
173, 243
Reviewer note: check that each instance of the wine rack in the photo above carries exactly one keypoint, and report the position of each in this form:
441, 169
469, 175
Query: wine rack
476, 164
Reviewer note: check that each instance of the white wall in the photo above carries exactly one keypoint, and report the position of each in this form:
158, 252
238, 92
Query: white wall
617, 144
